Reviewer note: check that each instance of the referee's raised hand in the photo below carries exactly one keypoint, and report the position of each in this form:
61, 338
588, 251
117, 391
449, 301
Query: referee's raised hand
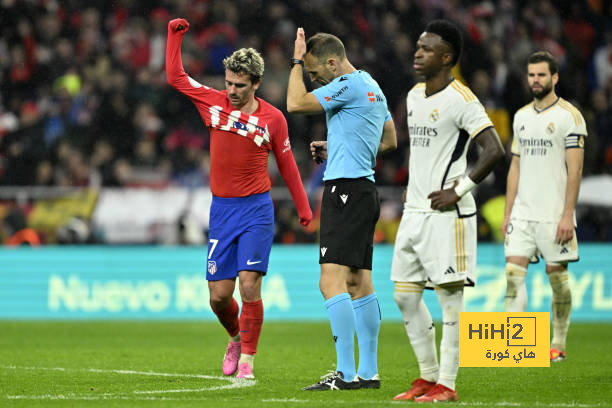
300, 44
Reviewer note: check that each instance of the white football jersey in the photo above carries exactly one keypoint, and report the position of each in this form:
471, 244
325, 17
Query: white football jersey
441, 127
540, 139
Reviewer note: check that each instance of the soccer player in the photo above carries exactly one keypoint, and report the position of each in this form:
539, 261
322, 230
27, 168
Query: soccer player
243, 129
436, 241
542, 189
359, 125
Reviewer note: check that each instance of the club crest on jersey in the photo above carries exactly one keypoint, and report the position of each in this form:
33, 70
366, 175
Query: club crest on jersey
550, 128
434, 115
212, 267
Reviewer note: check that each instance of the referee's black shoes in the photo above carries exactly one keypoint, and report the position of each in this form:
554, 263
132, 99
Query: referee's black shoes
335, 381
373, 382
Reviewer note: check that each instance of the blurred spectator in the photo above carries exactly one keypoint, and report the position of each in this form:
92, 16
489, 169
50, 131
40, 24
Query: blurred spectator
16, 231
602, 63
23, 148
600, 134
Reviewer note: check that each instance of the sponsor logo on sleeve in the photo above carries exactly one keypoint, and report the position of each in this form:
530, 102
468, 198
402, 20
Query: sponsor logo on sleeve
286, 145
337, 94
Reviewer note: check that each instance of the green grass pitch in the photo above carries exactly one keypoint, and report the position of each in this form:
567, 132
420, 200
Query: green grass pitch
178, 364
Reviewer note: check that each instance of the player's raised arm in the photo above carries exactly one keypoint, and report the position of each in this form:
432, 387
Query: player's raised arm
175, 74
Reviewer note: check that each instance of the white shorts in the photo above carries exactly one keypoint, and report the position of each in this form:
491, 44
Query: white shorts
529, 239
434, 248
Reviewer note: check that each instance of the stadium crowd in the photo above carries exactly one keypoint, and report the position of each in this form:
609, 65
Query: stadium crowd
84, 100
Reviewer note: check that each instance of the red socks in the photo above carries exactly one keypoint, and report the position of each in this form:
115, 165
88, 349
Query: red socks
229, 318
249, 325
251, 320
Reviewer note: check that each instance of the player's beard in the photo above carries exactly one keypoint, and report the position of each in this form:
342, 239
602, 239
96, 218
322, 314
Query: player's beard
542, 93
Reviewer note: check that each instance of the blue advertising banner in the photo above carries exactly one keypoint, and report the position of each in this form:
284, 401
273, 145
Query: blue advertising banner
91, 282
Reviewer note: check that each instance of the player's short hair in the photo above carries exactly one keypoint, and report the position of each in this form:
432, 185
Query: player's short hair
544, 56
450, 34
323, 45
246, 61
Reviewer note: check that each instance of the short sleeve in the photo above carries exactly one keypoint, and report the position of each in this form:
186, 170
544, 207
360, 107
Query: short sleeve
472, 118
576, 131
334, 95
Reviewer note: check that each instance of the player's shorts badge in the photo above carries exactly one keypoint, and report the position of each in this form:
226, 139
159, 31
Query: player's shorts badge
212, 267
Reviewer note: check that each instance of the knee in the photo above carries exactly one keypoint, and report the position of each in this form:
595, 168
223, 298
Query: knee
451, 302
332, 284
559, 281
407, 298
515, 277
250, 291
219, 301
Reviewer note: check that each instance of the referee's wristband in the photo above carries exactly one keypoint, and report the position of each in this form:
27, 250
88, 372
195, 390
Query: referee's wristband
465, 186
295, 61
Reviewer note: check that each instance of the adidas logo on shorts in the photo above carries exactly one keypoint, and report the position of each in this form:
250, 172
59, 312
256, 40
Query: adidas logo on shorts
564, 250
323, 251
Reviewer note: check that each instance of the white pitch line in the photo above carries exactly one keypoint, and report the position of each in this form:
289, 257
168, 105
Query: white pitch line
238, 383
233, 382
129, 372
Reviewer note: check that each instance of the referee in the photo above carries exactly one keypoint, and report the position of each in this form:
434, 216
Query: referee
359, 125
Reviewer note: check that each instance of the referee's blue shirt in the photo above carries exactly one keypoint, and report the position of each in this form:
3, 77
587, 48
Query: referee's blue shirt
356, 110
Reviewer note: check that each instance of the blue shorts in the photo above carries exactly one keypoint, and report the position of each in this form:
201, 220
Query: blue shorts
240, 235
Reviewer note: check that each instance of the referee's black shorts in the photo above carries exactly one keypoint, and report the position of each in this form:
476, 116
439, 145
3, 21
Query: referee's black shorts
349, 211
